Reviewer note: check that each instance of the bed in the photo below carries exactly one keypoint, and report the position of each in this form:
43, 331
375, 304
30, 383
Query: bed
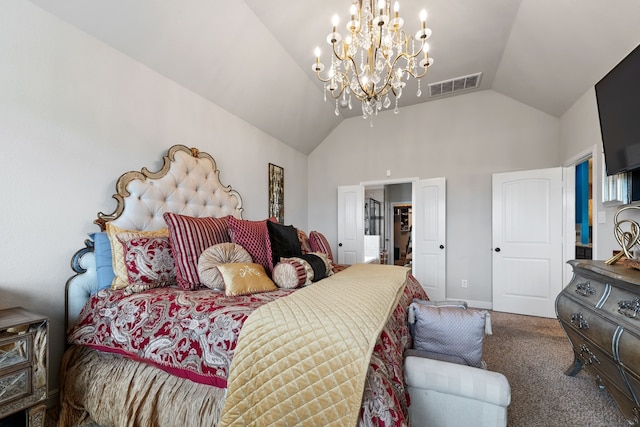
292, 339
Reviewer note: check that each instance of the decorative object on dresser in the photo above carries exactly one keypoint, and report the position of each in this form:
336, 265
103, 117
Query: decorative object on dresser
23, 364
627, 239
599, 311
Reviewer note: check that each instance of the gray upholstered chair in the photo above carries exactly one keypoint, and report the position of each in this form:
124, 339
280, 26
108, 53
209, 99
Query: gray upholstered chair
445, 391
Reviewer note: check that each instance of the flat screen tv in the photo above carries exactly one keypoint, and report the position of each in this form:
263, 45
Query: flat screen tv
618, 99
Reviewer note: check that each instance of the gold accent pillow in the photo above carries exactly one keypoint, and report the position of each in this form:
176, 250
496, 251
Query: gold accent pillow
241, 278
121, 279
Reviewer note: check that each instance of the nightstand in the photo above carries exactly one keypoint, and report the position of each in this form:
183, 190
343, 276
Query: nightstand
24, 357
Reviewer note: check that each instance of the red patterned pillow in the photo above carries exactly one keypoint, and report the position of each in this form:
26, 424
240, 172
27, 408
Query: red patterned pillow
149, 262
254, 237
189, 237
305, 247
319, 243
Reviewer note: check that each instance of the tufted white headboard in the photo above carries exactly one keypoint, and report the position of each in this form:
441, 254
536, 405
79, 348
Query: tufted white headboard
188, 183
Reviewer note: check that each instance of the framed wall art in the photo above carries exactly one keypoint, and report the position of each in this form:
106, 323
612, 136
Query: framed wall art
276, 192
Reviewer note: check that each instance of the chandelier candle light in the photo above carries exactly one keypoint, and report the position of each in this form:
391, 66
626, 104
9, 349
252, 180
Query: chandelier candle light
374, 57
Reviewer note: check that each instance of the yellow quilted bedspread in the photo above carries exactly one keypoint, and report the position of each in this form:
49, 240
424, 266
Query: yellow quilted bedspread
302, 360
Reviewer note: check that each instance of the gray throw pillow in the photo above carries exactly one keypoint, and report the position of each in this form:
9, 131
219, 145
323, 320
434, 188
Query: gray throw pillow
460, 304
451, 331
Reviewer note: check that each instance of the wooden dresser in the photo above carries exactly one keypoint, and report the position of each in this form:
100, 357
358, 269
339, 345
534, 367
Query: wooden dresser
600, 312
23, 364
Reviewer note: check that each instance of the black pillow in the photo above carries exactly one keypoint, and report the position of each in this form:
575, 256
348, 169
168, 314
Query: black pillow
284, 241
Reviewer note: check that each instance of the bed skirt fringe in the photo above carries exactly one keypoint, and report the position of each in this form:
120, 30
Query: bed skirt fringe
110, 390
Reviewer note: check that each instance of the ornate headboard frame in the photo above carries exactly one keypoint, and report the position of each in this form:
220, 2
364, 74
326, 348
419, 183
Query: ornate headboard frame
188, 183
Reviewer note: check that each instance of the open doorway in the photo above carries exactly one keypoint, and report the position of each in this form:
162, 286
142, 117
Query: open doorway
428, 228
402, 226
592, 158
584, 209
400, 221
388, 221
374, 230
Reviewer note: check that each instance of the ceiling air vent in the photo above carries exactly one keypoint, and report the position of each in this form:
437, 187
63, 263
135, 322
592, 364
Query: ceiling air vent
458, 84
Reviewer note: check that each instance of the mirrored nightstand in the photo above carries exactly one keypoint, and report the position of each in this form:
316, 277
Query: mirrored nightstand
24, 356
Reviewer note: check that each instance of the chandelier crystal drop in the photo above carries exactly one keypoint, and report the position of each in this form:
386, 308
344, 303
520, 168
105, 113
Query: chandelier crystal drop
375, 55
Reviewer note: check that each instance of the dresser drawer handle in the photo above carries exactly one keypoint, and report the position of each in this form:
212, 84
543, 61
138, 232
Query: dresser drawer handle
629, 308
591, 357
578, 320
585, 289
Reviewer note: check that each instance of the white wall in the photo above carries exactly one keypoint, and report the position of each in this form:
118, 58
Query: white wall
465, 139
74, 115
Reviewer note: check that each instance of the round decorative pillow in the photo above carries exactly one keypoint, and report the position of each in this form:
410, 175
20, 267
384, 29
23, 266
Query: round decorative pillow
222, 253
290, 273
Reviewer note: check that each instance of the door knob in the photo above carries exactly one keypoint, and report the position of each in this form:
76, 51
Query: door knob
497, 249
340, 244
441, 246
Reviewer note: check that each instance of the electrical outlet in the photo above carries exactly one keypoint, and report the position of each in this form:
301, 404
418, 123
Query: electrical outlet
463, 283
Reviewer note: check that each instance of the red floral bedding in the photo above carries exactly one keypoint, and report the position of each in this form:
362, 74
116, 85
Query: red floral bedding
193, 334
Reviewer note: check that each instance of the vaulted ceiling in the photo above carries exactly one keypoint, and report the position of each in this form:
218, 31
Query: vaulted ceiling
253, 57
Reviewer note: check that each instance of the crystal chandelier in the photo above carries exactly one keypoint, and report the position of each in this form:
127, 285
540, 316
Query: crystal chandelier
374, 57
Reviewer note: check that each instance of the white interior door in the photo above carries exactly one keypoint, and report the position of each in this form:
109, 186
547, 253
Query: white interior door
350, 224
428, 236
527, 241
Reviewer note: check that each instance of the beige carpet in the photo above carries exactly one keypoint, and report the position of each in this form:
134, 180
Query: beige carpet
533, 353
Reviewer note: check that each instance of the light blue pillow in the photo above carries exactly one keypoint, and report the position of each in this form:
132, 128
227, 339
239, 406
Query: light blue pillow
104, 265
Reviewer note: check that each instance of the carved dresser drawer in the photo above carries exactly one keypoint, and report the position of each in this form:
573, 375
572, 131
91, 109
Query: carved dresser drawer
598, 329
23, 364
599, 311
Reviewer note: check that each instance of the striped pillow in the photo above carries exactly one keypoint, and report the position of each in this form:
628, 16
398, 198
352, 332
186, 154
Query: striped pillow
189, 237
290, 273
319, 243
